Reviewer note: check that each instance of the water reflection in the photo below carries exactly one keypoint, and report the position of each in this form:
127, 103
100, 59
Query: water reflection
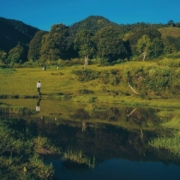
91, 135
38, 106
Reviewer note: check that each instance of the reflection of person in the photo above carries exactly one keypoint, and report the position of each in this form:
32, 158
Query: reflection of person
39, 87
38, 106
44, 67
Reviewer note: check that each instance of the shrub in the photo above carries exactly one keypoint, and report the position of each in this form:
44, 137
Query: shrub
169, 62
174, 55
81, 114
85, 91
86, 75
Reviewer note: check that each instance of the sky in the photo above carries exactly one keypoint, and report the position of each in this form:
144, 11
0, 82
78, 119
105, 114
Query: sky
43, 14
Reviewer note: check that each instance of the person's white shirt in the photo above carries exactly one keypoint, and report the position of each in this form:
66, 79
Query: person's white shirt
38, 84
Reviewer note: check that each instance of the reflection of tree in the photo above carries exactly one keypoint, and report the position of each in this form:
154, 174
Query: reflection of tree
84, 125
143, 117
128, 115
81, 114
105, 141
111, 114
139, 117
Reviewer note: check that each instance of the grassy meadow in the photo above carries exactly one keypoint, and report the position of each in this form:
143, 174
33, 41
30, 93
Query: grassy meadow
63, 84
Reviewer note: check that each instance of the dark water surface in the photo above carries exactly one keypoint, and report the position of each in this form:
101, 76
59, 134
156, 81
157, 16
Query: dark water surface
120, 169
107, 141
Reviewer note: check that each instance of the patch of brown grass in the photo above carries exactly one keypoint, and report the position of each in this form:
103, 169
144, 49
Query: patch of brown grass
170, 31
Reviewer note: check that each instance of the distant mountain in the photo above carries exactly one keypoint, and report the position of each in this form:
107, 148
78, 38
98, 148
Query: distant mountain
95, 23
13, 31
92, 23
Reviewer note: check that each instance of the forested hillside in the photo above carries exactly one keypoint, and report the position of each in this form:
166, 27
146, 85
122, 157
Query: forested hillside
13, 31
94, 38
92, 23
14, 40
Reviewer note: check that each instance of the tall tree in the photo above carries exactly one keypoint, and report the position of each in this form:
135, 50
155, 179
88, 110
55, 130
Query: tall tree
110, 44
85, 45
3, 56
55, 44
35, 46
143, 45
178, 24
17, 54
151, 32
156, 48
169, 45
171, 23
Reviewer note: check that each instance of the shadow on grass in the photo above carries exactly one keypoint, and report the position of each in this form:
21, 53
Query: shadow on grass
4, 96
45, 95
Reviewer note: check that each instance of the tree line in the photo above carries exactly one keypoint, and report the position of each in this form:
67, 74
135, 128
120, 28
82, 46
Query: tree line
95, 38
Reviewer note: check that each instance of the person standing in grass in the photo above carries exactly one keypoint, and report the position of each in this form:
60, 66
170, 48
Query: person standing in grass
39, 87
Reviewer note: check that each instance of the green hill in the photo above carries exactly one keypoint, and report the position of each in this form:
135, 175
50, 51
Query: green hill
13, 31
92, 23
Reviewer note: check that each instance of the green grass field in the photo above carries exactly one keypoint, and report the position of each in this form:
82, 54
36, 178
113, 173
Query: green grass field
57, 84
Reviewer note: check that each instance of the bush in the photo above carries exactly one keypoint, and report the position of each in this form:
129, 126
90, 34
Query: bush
81, 114
112, 77
86, 75
174, 55
71, 62
31, 63
104, 62
85, 91
169, 62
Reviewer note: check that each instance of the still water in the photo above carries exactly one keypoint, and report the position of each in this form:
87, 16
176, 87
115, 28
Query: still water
120, 169
98, 141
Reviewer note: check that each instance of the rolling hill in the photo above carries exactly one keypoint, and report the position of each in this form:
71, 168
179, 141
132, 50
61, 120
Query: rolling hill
13, 31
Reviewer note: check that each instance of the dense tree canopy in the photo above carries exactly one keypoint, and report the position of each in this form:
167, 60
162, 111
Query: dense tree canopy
17, 54
109, 43
55, 45
138, 40
156, 48
91, 23
3, 56
143, 45
172, 44
93, 37
35, 46
85, 45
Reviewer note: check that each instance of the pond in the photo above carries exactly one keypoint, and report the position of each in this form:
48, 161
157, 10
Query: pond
51, 139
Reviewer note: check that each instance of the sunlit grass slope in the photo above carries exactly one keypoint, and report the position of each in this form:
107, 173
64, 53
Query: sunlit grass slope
170, 31
62, 82
22, 81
